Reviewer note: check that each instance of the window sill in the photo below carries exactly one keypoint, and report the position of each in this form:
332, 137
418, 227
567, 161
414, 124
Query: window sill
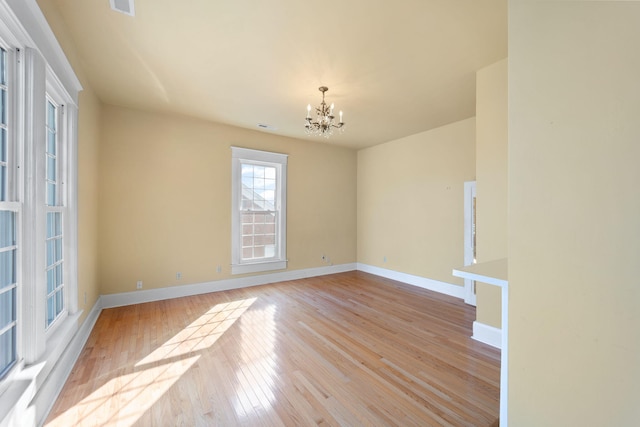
15, 400
258, 267
29, 381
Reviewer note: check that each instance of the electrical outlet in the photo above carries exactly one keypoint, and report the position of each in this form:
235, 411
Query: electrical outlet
139, 284
218, 269
178, 275
384, 258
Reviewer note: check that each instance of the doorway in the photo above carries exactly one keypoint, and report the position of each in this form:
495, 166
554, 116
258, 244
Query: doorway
470, 238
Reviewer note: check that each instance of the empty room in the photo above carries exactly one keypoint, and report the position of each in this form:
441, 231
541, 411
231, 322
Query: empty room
410, 213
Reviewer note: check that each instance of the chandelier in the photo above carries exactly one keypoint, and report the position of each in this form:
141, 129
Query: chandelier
323, 124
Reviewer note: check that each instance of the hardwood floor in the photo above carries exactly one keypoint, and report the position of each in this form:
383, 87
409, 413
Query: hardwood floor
347, 349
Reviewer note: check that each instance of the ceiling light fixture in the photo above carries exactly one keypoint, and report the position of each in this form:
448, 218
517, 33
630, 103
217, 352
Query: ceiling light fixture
323, 125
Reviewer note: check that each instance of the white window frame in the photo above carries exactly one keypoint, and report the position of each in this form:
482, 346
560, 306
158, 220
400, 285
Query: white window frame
279, 161
11, 203
53, 95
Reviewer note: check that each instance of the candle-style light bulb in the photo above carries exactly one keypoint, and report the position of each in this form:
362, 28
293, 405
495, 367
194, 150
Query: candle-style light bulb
331, 110
341, 117
308, 110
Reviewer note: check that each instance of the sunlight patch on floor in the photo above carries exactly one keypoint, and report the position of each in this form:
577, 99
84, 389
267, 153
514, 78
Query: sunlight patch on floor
256, 373
123, 399
201, 333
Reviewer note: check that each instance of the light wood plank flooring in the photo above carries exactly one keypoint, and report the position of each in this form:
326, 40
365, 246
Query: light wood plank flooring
348, 349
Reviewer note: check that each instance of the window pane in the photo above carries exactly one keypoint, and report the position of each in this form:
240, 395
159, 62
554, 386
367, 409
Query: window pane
51, 280
247, 181
51, 307
54, 224
51, 229
7, 307
7, 350
3, 106
51, 142
7, 268
3, 66
270, 173
3, 183
269, 251
58, 223
3, 145
51, 252
59, 301
59, 281
58, 250
51, 116
7, 229
51, 194
51, 169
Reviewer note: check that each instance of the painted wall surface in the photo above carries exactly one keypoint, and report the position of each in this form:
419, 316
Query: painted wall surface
165, 199
491, 182
574, 213
411, 201
89, 111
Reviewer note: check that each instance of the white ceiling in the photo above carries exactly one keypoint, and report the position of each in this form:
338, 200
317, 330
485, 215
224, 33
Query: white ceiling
394, 68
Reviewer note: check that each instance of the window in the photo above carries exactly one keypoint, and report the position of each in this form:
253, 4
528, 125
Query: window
8, 233
258, 223
54, 213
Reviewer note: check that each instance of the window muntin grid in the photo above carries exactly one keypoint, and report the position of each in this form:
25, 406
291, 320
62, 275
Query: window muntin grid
258, 212
8, 235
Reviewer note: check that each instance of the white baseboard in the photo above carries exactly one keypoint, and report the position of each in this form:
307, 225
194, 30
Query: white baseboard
48, 393
138, 297
422, 282
487, 334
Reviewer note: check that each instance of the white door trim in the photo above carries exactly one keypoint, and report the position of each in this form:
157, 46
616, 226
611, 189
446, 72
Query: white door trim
469, 217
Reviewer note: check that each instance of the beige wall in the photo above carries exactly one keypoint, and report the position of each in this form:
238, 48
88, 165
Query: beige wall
165, 199
411, 201
574, 213
491, 182
88, 141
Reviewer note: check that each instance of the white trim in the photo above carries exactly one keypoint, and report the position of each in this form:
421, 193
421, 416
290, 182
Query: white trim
279, 162
469, 217
496, 273
422, 282
258, 155
15, 400
36, 30
487, 334
48, 392
149, 295
256, 267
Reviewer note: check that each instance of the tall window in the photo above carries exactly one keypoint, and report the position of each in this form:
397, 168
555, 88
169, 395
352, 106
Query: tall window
258, 211
8, 233
54, 238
